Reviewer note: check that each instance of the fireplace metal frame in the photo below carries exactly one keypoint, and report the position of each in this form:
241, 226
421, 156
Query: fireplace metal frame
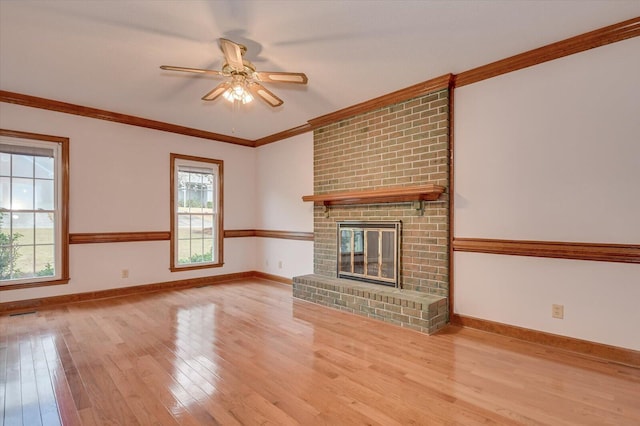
395, 225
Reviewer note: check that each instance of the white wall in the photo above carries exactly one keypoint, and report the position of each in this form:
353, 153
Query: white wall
119, 182
284, 174
552, 152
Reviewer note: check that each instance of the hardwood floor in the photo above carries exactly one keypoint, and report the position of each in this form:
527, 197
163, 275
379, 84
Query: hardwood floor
247, 353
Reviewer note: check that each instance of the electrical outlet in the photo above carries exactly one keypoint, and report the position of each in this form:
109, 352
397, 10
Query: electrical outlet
125, 273
557, 311
280, 264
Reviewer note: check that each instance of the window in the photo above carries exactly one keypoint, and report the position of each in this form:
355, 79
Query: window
33, 210
196, 212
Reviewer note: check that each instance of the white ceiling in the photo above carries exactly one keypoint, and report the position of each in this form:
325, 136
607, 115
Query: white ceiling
106, 53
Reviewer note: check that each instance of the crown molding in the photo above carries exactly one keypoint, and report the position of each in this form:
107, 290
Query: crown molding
100, 114
600, 37
283, 135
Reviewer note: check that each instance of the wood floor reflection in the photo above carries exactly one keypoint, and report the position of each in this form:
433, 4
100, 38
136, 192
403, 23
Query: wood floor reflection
247, 353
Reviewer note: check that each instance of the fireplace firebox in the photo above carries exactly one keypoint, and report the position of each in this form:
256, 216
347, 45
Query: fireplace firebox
369, 251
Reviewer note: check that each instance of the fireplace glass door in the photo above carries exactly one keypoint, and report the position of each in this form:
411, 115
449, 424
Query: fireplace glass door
369, 251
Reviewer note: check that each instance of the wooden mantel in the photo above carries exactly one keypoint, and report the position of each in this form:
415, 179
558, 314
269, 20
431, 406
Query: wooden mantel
429, 192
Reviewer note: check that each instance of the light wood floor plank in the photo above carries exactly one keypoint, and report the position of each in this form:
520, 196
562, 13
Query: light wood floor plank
71, 374
3, 377
69, 414
13, 392
246, 353
46, 397
30, 405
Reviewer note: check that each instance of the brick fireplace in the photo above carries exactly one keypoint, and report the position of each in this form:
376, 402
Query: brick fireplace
360, 164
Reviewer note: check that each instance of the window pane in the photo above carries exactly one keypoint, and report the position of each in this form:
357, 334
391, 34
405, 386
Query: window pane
195, 178
22, 165
193, 191
208, 250
5, 164
5, 257
184, 251
196, 226
197, 250
8, 252
22, 194
196, 193
24, 262
183, 180
212, 197
5, 224
207, 225
45, 231
23, 224
201, 251
44, 167
44, 194
5, 193
184, 226
45, 260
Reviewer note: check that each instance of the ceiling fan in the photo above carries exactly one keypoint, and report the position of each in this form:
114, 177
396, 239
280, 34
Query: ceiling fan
245, 82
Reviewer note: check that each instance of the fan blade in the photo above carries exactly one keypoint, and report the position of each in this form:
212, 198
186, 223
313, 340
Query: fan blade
195, 70
216, 92
259, 90
232, 53
282, 77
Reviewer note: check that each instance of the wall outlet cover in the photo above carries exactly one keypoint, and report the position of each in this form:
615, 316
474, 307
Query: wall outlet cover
557, 311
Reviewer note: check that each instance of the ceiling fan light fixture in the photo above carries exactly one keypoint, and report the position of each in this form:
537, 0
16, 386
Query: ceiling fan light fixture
238, 92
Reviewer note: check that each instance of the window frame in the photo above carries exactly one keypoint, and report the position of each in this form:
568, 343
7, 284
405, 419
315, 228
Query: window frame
173, 257
61, 241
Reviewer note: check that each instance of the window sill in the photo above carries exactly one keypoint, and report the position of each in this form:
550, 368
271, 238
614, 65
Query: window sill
33, 284
194, 267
